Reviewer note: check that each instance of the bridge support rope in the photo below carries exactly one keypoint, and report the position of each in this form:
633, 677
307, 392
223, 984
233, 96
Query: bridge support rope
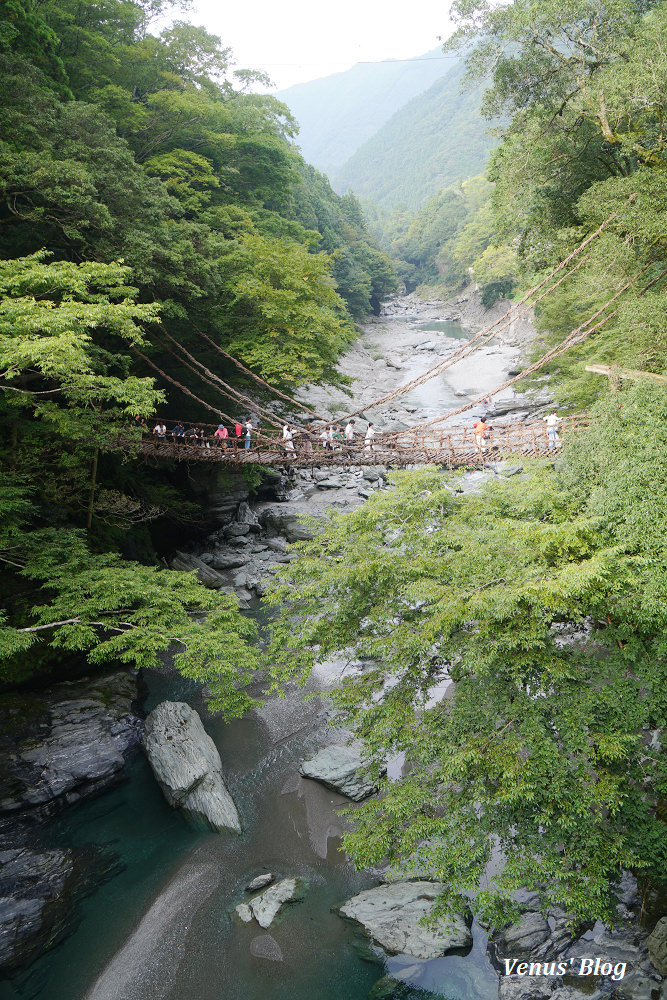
493, 329
576, 336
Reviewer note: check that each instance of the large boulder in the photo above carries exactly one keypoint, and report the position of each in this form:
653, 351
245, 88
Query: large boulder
391, 916
188, 768
265, 907
657, 946
282, 520
339, 768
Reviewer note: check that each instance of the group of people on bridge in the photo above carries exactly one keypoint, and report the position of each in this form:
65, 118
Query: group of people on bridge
346, 438
331, 437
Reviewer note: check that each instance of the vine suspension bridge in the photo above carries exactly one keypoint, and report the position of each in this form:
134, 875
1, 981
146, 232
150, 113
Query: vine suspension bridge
426, 442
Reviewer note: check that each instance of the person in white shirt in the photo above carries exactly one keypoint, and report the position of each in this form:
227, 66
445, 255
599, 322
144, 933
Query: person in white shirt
368, 440
349, 433
247, 432
160, 431
288, 439
553, 422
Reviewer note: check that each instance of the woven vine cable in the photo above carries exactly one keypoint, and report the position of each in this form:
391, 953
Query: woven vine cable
219, 413
470, 347
257, 378
480, 340
490, 331
576, 336
212, 379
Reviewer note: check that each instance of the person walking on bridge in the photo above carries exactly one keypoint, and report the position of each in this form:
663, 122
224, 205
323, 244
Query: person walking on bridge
553, 422
349, 434
368, 440
247, 433
481, 432
221, 436
288, 441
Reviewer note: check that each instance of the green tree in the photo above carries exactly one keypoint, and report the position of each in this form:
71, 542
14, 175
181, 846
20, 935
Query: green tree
543, 601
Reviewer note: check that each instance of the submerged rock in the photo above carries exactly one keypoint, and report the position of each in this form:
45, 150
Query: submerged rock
391, 914
39, 892
339, 767
264, 908
264, 946
187, 766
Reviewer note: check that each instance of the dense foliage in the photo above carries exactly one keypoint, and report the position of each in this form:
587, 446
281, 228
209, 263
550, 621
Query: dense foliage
449, 242
144, 192
583, 90
544, 599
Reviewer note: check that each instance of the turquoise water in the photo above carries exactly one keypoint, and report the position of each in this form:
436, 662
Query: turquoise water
446, 326
291, 827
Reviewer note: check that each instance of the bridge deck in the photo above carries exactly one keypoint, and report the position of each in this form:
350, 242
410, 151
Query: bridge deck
453, 447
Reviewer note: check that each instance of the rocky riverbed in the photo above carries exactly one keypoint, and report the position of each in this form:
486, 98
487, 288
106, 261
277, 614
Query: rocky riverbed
288, 773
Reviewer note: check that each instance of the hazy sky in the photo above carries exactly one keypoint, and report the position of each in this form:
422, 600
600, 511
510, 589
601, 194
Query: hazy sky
298, 40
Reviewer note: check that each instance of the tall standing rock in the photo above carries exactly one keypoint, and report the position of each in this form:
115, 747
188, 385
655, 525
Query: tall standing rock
187, 766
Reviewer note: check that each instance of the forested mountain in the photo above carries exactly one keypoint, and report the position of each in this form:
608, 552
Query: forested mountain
144, 197
338, 113
436, 139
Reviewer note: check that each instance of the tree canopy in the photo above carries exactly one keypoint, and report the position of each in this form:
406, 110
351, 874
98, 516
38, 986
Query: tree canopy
543, 599
145, 194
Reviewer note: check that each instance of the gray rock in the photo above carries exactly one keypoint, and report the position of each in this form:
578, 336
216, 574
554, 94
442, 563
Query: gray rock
207, 557
525, 988
39, 893
277, 544
331, 483
391, 915
520, 940
286, 523
339, 767
264, 946
225, 560
65, 745
374, 472
184, 562
187, 766
239, 541
657, 946
236, 530
246, 515
266, 906
260, 882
